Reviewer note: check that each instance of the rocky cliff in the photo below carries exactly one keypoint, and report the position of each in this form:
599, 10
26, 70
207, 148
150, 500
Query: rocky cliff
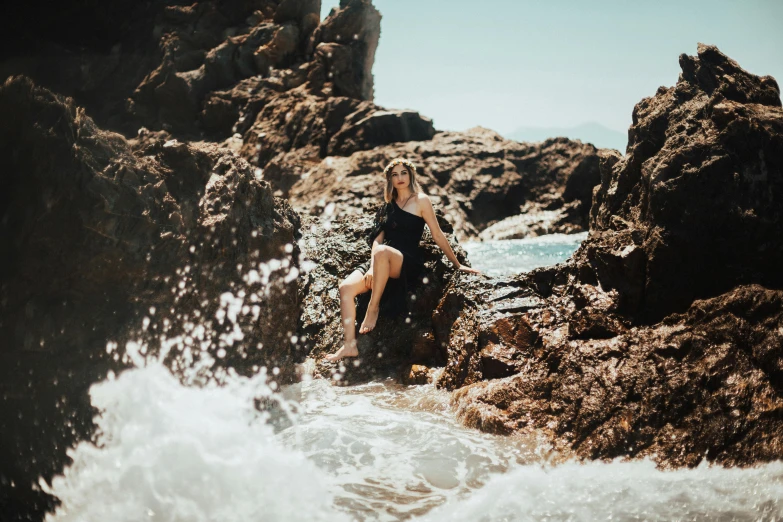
662, 335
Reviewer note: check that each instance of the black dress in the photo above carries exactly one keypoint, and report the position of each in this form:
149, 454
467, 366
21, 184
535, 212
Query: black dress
402, 231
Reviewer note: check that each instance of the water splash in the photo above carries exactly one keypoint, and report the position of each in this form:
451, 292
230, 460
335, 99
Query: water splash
381, 451
168, 452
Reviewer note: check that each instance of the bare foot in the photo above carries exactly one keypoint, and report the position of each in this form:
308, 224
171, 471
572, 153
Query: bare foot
370, 318
345, 351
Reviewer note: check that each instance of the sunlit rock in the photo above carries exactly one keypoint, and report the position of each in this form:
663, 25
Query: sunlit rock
660, 337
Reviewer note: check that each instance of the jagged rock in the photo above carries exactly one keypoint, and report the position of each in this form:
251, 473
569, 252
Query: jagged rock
701, 185
96, 235
533, 221
297, 130
477, 177
661, 336
177, 92
381, 127
413, 374
344, 50
197, 68
703, 384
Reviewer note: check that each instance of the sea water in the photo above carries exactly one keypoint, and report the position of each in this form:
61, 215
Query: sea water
377, 451
506, 257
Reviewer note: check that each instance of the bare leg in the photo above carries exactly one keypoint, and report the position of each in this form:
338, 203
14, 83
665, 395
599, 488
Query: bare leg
350, 287
387, 262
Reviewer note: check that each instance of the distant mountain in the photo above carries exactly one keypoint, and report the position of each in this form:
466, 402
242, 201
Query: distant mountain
591, 132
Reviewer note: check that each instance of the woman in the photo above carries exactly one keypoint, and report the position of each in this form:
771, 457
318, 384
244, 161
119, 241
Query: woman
395, 251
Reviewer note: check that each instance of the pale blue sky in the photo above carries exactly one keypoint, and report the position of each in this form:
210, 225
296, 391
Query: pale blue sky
505, 64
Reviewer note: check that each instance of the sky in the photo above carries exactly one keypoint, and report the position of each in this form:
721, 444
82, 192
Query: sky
506, 64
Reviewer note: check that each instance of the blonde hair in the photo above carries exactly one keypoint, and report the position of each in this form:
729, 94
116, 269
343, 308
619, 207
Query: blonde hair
389, 192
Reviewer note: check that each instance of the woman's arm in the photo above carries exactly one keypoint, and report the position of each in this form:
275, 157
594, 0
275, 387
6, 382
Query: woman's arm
428, 213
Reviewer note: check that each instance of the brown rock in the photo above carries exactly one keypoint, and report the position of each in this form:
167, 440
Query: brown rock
416, 374
699, 384
380, 128
616, 357
344, 47
203, 67
700, 187
424, 347
297, 129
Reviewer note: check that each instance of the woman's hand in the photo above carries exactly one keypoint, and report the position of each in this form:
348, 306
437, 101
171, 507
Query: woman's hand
468, 269
368, 279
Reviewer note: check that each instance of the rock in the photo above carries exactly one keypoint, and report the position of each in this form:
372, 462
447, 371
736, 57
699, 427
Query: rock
697, 385
476, 177
200, 68
380, 128
416, 374
532, 221
424, 347
344, 50
660, 337
100, 235
297, 129
701, 182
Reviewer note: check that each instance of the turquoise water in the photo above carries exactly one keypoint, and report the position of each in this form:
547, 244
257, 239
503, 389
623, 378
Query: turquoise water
512, 256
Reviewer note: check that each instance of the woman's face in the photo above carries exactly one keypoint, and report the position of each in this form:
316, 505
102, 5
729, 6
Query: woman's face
400, 177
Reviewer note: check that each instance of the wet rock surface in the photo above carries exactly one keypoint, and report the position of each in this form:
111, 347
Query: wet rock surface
704, 384
662, 335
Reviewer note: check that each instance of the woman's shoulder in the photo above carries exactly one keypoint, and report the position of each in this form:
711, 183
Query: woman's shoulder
423, 200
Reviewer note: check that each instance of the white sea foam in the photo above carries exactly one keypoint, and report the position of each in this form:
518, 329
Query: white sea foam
168, 452
381, 451
623, 491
